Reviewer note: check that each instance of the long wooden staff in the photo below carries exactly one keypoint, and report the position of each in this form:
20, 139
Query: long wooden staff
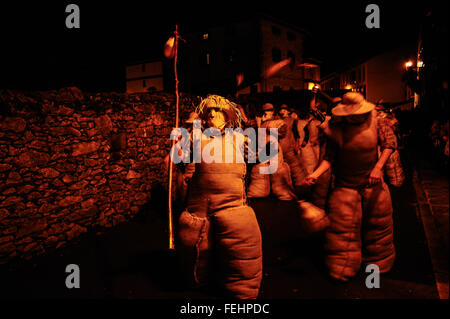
171, 235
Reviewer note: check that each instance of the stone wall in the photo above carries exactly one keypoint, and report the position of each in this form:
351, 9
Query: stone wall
71, 161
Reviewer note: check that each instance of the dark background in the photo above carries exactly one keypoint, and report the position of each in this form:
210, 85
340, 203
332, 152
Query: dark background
39, 52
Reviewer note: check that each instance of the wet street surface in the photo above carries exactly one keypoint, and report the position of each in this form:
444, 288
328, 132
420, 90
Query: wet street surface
132, 260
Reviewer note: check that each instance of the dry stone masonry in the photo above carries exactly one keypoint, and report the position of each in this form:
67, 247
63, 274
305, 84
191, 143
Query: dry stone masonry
71, 161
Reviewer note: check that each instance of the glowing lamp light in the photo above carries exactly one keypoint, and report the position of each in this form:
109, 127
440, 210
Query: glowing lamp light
169, 48
348, 87
408, 64
420, 64
311, 86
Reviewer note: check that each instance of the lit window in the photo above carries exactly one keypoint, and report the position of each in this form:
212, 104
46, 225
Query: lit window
205, 36
207, 58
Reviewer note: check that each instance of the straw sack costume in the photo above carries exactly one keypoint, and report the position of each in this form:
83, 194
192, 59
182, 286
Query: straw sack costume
278, 183
287, 143
219, 239
359, 207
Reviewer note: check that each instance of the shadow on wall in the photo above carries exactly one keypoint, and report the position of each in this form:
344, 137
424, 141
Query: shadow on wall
158, 205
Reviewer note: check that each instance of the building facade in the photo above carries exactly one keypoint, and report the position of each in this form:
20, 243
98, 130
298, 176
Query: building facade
379, 78
144, 76
233, 58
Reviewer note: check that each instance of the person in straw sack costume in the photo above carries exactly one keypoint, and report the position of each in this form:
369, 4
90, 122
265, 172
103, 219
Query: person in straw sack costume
288, 143
313, 146
219, 240
279, 182
359, 206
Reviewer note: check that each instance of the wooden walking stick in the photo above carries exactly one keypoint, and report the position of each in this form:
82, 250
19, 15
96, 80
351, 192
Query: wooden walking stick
172, 52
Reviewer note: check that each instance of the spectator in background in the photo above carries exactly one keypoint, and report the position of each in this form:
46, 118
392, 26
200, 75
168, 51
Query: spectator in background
439, 139
434, 133
444, 145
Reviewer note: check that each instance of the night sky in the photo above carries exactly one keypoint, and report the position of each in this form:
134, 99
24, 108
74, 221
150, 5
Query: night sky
39, 52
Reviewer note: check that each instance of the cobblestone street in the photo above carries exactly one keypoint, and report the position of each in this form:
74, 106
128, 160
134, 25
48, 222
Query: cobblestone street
432, 204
